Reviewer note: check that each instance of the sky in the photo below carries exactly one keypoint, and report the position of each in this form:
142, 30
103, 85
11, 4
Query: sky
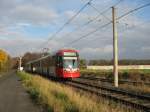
26, 25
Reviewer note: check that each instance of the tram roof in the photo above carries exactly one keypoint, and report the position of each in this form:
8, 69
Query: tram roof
59, 52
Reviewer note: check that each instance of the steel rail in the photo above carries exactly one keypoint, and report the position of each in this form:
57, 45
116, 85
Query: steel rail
120, 81
137, 101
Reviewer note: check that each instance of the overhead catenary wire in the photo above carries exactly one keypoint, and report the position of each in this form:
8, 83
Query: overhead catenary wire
63, 26
134, 27
85, 24
95, 18
102, 13
92, 5
127, 29
99, 11
90, 21
90, 33
118, 3
78, 28
136, 9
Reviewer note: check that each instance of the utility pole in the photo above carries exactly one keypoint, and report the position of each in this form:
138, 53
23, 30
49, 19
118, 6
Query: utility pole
45, 50
115, 47
20, 63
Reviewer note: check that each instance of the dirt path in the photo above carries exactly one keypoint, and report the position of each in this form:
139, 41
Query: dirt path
13, 97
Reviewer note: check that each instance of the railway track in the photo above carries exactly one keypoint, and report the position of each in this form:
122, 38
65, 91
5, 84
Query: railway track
137, 101
103, 79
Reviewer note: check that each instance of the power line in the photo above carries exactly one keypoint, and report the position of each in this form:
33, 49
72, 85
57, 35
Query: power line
90, 33
134, 27
118, 3
62, 27
87, 23
131, 11
90, 21
129, 28
99, 11
92, 5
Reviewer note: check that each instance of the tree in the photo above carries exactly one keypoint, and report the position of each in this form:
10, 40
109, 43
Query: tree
30, 57
4, 60
14, 62
82, 63
121, 62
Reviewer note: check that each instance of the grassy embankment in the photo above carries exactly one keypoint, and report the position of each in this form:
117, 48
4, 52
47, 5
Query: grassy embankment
56, 97
133, 75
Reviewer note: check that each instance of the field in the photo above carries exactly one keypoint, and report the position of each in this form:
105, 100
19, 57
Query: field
134, 75
56, 97
131, 75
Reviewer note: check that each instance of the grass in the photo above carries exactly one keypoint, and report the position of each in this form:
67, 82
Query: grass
56, 97
135, 75
144, 89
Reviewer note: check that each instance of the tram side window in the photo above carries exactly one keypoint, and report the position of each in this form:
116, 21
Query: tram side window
59, 62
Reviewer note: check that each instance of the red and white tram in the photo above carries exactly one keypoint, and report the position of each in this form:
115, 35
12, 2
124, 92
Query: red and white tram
63, 64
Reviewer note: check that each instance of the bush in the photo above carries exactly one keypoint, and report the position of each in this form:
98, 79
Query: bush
56, 97
125, 75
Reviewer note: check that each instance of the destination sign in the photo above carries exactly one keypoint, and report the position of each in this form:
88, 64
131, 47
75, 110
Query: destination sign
70, 54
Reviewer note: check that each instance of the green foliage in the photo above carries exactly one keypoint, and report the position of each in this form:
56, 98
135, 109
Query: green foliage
100, 62
60, 95
82, 63
55, 97
121, 62
125, 75
50, 109
110, 76
23, 76
135, 75
68, 105
34, 94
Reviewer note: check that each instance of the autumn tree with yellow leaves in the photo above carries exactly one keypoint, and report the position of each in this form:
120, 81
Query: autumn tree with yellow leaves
4, 61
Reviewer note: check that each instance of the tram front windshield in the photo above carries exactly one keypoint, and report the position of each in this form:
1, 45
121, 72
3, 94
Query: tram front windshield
70, 62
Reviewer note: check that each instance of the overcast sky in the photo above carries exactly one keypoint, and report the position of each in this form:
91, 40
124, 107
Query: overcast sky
25, 25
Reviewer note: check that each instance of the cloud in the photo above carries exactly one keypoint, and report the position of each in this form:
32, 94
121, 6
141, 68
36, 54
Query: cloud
146, 48
32, 14
18, 16
96, 53
20, 46
105, 49
14, 11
